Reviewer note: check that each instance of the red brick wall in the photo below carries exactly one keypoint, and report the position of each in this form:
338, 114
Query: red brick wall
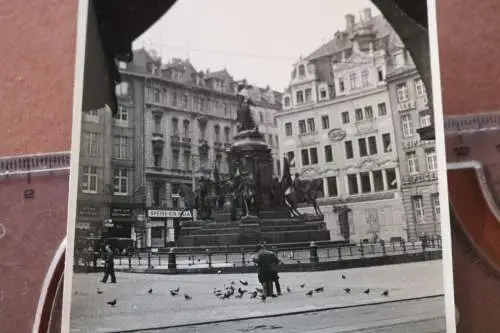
34, 229
469, 39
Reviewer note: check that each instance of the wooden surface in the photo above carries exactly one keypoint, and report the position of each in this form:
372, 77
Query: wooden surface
37, 40
469, 35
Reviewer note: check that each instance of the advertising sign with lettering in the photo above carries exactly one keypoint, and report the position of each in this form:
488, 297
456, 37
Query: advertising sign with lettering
336, 134
166, 214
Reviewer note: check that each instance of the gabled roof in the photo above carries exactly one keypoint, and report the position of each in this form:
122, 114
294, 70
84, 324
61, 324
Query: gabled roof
379, 26
223, 74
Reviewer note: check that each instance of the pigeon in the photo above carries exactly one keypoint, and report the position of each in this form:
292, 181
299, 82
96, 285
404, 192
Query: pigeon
302, 285
245, 283
343, 277
309, 293
253, 294
239, 296
347, 290
259, 290
298, 261
288, 289
385, 293
112, 303
367, 291
241, 291
319, 290
173, 293
150, 291
177, 289
187, 297
99, 291
219, 271
233, 283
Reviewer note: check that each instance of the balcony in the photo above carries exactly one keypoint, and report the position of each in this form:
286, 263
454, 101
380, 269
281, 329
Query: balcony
420, 178
218, 146
175, 141
186, 142
308, 138
414, 143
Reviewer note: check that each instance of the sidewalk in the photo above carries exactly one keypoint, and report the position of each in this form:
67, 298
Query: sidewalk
138, 309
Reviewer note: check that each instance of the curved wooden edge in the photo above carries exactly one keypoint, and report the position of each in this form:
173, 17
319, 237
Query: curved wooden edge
475, 209
49, 290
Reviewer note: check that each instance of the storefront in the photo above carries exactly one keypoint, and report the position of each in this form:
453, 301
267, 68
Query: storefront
160, 225
89, 220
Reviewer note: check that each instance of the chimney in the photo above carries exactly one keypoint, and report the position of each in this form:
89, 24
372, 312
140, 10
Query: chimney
367, 14
349, 20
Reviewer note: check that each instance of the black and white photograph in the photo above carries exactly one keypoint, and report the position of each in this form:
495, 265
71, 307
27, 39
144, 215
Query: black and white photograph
259, 166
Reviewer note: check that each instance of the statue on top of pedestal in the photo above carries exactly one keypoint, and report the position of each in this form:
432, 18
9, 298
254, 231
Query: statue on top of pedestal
244, 118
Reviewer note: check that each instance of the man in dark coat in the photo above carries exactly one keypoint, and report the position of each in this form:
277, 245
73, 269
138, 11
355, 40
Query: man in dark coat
267, 268
109, 265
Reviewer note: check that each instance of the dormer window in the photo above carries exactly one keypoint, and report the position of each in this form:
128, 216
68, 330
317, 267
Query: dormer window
380, 73
399, 59
287, 101
322, 93
302, 71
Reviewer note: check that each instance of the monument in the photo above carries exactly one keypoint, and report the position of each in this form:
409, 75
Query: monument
250, 206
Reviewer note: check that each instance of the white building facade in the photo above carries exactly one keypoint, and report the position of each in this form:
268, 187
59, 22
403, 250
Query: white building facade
337, 126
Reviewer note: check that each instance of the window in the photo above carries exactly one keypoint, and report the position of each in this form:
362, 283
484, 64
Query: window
278, 167
345, 117
91, 143
368, 112
436, 208
270, 140
372, 145
89, 179
380, 74
175, 160
217, 133
261, 117
378, 180
325, 122
431, 159
121, 147
328, 153
277, 141
287, 101
322, 94
288, 129
300, 97
156, 95
121, 89
419, 87
358, 113
305, 156
364, 78
157, 191
227, 134
399, 59
92, 116
412, 160
120, 181
187, 161
308, 94
407, 125
390, 176
121, 116
184, 102
314, 155
349, 151
382, 109
352, 183
302, 71
218, 162
365, 182
173, 99
353, 80
291, 157
175, 195
402, 92
386, 142
203, 130
425, 118
331, 183
310, 125
341, 85
227, 110
302, 126
186, 128
175, 126
363, 151
418, 208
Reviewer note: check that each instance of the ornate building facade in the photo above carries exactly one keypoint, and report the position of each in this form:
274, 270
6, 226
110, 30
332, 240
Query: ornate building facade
337, 125
419, 178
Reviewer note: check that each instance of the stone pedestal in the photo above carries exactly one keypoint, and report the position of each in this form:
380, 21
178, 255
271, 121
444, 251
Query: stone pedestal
224, 215
250, 153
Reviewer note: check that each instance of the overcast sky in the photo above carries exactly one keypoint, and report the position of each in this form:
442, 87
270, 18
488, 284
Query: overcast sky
258, 40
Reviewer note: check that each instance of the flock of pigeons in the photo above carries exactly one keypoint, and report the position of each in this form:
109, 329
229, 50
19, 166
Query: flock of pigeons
238, 292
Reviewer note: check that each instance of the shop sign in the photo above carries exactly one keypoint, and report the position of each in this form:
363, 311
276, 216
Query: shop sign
166, 214
336, 134
87, 211
121, 212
